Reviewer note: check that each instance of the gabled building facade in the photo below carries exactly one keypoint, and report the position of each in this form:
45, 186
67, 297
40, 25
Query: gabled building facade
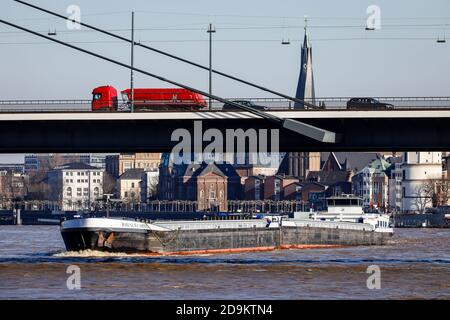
211, 185
131, 186
372, 183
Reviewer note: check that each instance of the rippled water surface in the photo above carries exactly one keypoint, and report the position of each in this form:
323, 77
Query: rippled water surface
33, 265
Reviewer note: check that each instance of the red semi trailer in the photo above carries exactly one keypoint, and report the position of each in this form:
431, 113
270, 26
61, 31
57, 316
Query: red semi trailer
105, 99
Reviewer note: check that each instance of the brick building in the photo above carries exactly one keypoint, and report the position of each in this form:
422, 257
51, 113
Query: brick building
210, 185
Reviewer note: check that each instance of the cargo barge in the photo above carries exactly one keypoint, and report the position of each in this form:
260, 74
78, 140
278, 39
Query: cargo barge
344, 224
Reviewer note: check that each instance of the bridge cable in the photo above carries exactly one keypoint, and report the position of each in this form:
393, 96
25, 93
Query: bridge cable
304, 103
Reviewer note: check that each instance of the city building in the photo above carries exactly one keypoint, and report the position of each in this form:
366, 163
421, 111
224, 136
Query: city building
150, 185
166, 179
13, 185
299, 164
131, 186
116, 165
269, 166
211, 185
332, 171
395, 187
294, 191
254, 187
372, 183
419, 170
76, 186
13, 167
303, 193
215, 187
98, 160
352, 161
274, 186
45, 162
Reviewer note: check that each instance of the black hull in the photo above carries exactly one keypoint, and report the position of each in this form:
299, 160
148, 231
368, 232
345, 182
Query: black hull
76, 240
164, 242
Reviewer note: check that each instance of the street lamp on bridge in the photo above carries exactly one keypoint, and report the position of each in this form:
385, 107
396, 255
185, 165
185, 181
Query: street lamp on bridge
211, 30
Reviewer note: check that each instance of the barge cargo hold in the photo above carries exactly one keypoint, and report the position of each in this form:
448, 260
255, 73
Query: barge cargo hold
344, 224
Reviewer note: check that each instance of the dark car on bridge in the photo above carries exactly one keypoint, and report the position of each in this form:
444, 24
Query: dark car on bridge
367, 104
246, 103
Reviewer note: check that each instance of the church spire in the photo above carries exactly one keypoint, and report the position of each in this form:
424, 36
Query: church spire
305, 86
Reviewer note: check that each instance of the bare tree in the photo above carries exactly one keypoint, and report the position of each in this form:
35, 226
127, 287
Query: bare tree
423, 196
14, 186
38, 187
442, 191
432, 193
152, 187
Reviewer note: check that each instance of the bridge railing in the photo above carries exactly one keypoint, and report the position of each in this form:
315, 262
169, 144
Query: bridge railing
13, 106
269, 104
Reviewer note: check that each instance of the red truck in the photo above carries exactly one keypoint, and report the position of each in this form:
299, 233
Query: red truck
105, 99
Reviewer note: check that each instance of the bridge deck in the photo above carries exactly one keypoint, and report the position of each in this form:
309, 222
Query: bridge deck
397, 130
215, 115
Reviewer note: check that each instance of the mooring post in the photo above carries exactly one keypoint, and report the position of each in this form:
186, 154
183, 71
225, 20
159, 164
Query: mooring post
18, 218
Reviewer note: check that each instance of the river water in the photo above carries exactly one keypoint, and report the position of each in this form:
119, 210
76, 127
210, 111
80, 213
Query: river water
33, 265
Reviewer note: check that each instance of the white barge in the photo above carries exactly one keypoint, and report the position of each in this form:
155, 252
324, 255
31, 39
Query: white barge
344, 224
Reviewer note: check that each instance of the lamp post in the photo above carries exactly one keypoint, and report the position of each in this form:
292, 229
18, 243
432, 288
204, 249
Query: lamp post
211, 30
108, 203
132, 64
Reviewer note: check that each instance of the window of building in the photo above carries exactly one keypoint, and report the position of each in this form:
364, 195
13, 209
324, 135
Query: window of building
127, 165
69, 192
132, 184
96, 192
86, 192
78, 191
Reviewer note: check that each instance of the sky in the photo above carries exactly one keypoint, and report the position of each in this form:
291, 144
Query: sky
400, 59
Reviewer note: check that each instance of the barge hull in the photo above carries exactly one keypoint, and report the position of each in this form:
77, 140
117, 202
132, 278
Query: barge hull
218, 240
